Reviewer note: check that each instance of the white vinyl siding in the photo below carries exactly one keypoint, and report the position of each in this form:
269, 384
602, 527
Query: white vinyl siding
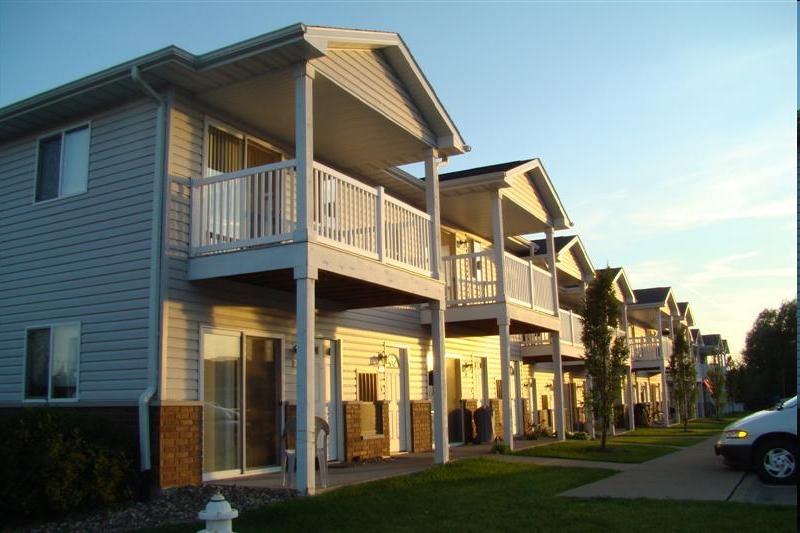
367, 75
84, 260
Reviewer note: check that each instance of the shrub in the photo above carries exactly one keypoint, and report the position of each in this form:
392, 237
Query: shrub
577, 435
499, 447
57, 461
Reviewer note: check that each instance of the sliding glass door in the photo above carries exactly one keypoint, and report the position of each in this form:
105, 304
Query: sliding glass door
241, 394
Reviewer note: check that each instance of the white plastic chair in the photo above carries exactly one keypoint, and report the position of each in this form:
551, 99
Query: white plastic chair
289, 463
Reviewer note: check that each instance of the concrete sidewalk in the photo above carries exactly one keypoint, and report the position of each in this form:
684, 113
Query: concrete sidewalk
691, 473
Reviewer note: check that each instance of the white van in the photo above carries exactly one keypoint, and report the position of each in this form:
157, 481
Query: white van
766, 441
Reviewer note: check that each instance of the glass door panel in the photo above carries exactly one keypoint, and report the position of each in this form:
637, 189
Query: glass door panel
262, 422
221, 402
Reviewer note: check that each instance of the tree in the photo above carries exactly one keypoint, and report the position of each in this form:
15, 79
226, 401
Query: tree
715, 376
606, 354
770, 355
736, 382
684, 375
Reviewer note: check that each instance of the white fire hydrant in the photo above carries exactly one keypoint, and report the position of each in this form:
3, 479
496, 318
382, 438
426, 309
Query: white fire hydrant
218, 515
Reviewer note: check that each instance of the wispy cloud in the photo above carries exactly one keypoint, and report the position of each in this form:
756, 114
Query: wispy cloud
749, 181
730, 267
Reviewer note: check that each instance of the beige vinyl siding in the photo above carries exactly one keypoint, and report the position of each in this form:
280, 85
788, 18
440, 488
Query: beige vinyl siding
569, 264
83, 258
367, 75
524, 193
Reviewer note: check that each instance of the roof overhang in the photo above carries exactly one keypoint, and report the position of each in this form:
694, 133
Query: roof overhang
466, 202
245, 78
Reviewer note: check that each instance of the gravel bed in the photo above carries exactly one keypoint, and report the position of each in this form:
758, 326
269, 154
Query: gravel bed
173, 506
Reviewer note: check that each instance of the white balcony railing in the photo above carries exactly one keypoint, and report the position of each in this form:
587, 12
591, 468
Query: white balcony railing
259, 206
472, 280
570, 332
650, 349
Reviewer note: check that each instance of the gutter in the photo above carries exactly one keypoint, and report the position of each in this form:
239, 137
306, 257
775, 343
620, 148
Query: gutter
154, 311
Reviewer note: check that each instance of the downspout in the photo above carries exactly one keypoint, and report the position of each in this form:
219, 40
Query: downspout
154, 311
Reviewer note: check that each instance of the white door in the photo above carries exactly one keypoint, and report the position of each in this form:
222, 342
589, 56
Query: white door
326, 391
396, 398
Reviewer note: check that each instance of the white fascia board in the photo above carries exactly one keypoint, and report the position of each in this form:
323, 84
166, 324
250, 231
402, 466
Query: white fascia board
497, 179
560, 218
626, 284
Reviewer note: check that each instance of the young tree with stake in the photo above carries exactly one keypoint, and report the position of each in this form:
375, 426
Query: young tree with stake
606, 354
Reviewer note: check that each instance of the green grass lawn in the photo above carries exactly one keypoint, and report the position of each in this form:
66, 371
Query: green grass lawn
637, 446
481, 494
589, 450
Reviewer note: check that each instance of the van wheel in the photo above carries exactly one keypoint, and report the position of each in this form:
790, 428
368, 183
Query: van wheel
776, 462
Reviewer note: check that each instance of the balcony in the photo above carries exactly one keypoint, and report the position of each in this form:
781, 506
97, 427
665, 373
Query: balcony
474, 293
649, 352
472, 280
570, 332
355, 231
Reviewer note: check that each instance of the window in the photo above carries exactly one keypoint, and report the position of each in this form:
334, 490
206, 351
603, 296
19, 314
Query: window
229, 151
51, 362
367, 387
63, 164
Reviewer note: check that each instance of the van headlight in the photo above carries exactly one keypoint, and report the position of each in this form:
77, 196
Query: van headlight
735, 434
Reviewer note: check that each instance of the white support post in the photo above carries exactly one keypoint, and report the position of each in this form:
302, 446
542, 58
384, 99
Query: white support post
381, 224
664, 385
505, 373
304, 148
551, 260
535, 398
442, 451
498, 245
306, 447
558, 371
631, 398
520, 418
434, 211
558, 386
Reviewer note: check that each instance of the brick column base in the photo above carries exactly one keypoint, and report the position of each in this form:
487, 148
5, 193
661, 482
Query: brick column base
177, 449
421, 428
357, 445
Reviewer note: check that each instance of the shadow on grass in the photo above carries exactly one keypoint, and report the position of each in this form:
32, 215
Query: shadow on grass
482, 494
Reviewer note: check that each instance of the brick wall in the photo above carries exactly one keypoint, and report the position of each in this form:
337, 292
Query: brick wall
177, 444
421, 428
359, 447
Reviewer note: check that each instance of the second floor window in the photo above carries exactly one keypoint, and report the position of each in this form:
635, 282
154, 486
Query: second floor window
63, 164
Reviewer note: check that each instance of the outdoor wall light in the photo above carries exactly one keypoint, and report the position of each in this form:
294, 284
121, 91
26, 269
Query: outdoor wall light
380, 359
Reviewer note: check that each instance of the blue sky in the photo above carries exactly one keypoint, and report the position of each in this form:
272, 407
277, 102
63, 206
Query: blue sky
666, 127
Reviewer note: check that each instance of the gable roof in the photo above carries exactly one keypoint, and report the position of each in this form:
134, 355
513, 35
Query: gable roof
198, 74
481, 171
653, 295
621, 280
530, 202
686, 313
